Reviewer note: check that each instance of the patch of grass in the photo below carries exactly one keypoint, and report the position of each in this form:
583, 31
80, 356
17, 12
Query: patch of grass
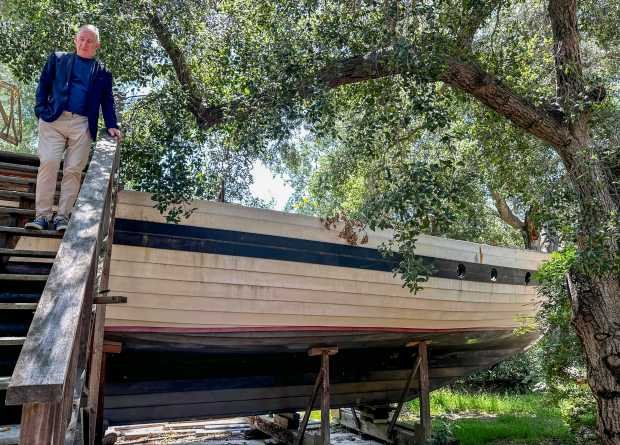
525, 429
445, 401
485, 418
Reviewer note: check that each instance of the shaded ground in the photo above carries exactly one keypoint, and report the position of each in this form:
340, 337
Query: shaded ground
473, 419
235, 431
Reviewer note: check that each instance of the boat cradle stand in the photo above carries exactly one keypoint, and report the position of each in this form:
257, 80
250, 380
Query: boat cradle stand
282, 428
378, 422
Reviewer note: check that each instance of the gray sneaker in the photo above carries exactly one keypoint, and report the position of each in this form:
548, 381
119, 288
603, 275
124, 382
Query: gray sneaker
39, 223
60, 223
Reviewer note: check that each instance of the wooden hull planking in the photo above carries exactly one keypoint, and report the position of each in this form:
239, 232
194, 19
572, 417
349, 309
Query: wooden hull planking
222, 309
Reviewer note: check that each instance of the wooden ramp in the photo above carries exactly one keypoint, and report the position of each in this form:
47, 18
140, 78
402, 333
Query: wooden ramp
51, 331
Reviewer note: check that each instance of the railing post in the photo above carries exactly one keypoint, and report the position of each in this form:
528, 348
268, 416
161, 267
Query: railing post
39, 424
97, 360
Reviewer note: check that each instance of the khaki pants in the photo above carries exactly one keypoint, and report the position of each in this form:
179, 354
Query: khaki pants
70, 132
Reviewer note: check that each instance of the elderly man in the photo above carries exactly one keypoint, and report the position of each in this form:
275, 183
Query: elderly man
72, 88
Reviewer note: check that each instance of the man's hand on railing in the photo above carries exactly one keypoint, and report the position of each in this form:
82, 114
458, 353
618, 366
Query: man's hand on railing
116, 134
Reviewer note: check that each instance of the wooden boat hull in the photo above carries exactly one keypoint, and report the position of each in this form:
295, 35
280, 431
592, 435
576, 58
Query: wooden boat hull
222, 309
147, 382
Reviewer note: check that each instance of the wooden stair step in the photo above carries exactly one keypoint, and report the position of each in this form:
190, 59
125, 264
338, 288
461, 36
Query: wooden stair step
27, 253
12, 296
17, 180
12, 194
9, 166
32, 233
21, 181
27, 267
4, 383
7, 182
12, 341
9, 434
19, 158
22, 277
18, 167
19, 306
16, 211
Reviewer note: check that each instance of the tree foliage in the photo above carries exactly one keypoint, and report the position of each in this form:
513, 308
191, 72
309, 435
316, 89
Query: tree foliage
418, 116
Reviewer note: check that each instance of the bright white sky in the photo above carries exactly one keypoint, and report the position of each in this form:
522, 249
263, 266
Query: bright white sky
268, 187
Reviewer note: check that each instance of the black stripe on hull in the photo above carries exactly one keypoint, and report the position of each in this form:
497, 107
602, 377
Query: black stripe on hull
229, 242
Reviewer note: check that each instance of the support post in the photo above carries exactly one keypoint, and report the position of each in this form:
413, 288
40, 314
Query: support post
403, 396
356, 419
322, 381
304, 422
325, 419
425, 406
41, 424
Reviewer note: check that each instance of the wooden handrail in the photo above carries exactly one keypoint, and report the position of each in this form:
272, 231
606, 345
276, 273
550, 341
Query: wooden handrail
52, 368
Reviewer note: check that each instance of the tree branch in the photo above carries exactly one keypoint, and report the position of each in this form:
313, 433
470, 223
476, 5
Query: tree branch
206, 116
460, 74
505, 213
570, 86
473, 17
471, 79
464, 76
568, 66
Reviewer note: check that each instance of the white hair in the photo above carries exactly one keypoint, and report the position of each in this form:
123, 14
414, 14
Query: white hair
91, 28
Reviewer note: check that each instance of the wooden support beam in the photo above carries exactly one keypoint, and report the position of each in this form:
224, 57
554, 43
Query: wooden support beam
329, 350
94, 425
402, 434
110, 299
403, 396
96, 375
322, 382
358, 423
325, 419
270, 427
304, 422
290, 421
367, 428
112, 347
425, 406
97, 431
40, 424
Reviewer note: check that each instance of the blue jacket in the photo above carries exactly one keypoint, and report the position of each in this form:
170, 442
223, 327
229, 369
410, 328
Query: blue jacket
53, 92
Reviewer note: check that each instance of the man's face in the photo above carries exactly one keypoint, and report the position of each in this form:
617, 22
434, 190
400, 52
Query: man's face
86, 44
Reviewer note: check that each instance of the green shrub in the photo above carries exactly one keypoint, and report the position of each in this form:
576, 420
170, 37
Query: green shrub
577, 406
562, 356
519, 374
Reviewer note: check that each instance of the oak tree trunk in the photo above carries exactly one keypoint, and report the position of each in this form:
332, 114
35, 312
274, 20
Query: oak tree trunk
596, 317
595, 288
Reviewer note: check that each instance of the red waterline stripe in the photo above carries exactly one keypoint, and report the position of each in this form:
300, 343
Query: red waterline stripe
293, 328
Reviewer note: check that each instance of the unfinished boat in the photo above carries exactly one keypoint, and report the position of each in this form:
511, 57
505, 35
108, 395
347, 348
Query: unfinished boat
222, 309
